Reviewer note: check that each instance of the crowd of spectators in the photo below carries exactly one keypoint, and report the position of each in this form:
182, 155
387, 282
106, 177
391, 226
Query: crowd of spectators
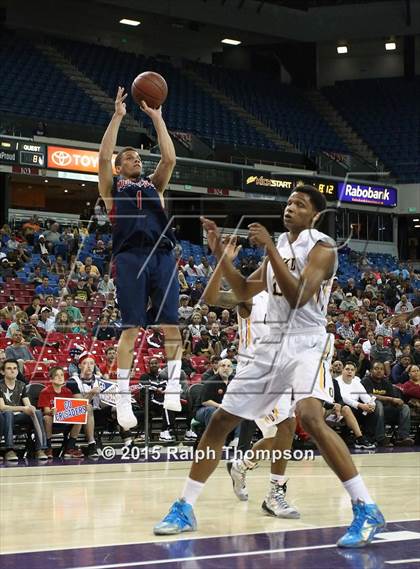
72, 307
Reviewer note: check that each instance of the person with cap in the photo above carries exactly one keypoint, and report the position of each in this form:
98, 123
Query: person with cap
35, 277
203, 347
40, 247
13, 242
9, 312
345, 331
230, 353
45, 288
6, 270
81, 292
46, 320
348, 303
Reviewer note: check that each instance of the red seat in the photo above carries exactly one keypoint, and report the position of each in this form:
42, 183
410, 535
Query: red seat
200, 363
4, 342
160, 352
36, 370
196, 378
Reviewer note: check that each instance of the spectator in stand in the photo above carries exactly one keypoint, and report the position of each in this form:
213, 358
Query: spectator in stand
106, 286
230, 353
81, 291
403, 305
203, 347
345, 331
157, 386
336, 368
73, 311
20, 375
399, 372
53, 236
46, 403
91, 285
186, 364
62, 289
30, 227
194, 329
10, 311
204, 309
45, 288
94, 271
211, 318
46, 320
212, 370
392, 410
34, 307
183, 285
184, 311
351, 287
411, 389
108, 366
382, 326
103, 330
63, 324
49, 302
396, 349
349, 303
369, 343
191, 269
41, 246
226, 320
347, 353
58, 266
6, 270
85, 385
214, 333
197, 291
36, 276
21, 318
205, 268
416, 351
74, 274
45, 264
17, 409
404, 334
13, 242
115, 321
337, 294
380, 353
99, 250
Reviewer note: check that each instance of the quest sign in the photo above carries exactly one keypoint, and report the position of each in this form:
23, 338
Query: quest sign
366, 194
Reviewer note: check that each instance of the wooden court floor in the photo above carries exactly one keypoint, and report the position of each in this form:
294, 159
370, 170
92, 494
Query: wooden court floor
90, 505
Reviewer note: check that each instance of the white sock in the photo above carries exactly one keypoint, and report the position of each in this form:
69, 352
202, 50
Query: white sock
91, 442
192, 490
357, 490
174, 370
123, 381
278, 479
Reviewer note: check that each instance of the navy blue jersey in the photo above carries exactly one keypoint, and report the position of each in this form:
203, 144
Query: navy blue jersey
137, 216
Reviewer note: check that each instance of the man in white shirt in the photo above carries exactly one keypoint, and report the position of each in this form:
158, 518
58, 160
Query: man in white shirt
403, 305
355, 396
106, 285
370, 342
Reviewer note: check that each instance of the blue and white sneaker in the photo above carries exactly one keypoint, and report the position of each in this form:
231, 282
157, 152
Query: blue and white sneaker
179, 519
367, 521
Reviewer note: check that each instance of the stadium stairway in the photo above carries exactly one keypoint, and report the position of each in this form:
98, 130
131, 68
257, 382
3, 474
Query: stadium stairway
86, 84
356, 145
262, 128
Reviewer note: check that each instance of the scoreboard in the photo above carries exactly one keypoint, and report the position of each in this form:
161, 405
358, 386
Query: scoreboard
22, 152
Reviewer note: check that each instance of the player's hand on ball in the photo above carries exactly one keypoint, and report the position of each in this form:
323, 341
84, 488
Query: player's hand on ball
213, 236
258, 235
120, 108
152, 113
231, 251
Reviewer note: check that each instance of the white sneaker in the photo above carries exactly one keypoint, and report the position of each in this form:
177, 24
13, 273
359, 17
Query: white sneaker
275, 503
125, 415
190, 435
172, 398
166, 437
237, 472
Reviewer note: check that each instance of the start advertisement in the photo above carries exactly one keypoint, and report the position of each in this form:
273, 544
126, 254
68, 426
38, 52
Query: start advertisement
285, 184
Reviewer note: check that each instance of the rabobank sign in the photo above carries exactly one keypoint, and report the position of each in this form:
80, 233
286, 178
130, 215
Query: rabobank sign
369, 195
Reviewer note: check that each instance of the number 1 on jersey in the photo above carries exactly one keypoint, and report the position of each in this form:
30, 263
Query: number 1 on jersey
139, 200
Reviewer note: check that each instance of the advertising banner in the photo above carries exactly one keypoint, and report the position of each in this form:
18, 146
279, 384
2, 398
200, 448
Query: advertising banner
284, 184
70, 410
367, 194
73, 159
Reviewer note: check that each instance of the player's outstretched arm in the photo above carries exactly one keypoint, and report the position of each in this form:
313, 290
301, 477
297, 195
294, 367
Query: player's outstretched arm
107, 147
297, 291
212, 294
164, 169
243, 289
403, 317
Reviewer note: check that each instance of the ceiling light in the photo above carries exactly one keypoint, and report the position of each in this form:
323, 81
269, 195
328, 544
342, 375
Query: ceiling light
128, 22
46, 181
417, 226
416, 219
390, 46
342, 49
231, 42
66, 191
83, 185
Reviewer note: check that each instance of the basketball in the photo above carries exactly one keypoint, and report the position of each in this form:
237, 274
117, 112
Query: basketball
151, 88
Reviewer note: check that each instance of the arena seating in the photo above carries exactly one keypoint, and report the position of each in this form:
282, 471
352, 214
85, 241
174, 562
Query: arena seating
280, 106
384, 112
31, 85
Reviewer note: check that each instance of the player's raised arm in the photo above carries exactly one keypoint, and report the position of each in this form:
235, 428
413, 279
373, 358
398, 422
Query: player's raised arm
297, 291
161, 176
107, 147
244, 289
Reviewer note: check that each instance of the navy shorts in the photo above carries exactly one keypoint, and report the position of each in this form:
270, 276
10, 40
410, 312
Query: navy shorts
147, 287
